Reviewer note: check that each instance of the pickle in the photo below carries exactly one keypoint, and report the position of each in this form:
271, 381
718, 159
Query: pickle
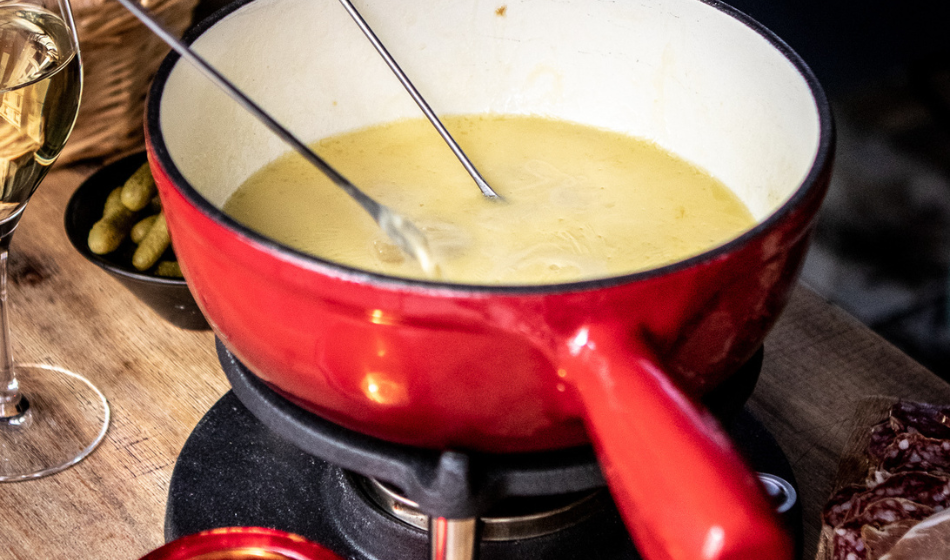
113, 204
107, 234
141, 227
139, 189
154, 243
168, 268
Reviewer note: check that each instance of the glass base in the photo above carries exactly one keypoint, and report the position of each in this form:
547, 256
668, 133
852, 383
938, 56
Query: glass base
66, 418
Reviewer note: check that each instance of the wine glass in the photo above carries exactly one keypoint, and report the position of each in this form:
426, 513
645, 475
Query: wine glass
59, 417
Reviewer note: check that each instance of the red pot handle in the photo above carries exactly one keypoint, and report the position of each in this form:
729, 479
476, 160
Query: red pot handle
683, 492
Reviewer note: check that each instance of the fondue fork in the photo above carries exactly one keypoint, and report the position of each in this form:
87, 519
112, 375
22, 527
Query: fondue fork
420, 101
406, 235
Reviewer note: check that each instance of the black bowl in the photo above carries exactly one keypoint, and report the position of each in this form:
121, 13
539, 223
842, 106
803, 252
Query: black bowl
169, 297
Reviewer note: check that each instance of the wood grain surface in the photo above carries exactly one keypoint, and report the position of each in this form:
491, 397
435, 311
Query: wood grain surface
820, 363
160, 380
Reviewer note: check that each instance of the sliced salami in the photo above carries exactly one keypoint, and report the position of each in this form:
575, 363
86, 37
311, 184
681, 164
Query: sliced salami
847, 544
909, 417
882, 435
908, 479
916, 452
847, 541
841, 505
928, 490
927, 419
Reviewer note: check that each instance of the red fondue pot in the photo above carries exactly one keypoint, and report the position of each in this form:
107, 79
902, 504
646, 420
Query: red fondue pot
619, 362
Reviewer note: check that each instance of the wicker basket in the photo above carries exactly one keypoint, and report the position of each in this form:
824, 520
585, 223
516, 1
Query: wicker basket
120, 57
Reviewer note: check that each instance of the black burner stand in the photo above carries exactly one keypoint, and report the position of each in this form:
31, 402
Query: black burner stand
256, 459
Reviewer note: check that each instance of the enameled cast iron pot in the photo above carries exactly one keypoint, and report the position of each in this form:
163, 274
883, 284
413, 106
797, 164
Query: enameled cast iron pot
240, 543
619, 362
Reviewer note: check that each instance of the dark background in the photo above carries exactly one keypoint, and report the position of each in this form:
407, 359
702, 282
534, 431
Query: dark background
853, 44
882, 248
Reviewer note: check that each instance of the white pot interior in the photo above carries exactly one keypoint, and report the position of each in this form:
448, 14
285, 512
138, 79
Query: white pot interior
681, 73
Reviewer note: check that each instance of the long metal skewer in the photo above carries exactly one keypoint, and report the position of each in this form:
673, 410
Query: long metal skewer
399, 229
429, 113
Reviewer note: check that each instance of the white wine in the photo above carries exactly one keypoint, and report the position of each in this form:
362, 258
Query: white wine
40, 87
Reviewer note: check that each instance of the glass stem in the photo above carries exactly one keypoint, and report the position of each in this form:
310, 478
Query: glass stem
10, 398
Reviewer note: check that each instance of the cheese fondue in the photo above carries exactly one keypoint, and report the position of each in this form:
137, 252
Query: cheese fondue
580, 202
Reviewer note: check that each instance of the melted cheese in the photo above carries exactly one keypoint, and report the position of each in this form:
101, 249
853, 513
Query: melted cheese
580, 202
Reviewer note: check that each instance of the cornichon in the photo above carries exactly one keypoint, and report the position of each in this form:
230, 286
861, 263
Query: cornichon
122, 215
141, 227
168, 268
153, 245
138, 191
107, 234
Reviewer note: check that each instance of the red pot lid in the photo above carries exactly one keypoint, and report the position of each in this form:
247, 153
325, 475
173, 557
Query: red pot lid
241, 543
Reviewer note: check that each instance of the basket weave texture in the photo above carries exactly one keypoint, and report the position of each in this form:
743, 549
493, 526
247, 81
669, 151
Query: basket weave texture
120, 57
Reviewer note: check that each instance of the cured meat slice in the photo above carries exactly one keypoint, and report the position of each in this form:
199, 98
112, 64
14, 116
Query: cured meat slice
927, 419
908, 480
917, 452
847, 542
929, 490
881, 436
841, 505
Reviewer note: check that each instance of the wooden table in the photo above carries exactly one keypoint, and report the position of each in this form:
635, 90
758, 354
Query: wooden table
161, 380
